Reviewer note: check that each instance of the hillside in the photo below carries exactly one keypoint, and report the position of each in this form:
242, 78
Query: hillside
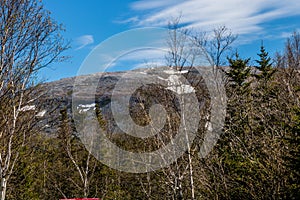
59, 93
256, 156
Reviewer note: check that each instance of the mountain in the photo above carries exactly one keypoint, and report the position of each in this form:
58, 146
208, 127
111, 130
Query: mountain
142, 87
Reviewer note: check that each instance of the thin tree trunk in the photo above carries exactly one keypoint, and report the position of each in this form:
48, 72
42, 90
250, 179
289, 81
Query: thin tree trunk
3, 188
191, 175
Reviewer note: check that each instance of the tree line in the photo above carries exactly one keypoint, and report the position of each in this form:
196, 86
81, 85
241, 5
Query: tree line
257, 156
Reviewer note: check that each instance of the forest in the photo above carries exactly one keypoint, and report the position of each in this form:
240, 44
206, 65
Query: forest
256, 157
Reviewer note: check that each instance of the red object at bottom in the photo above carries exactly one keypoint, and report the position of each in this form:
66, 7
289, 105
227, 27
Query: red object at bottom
82, 199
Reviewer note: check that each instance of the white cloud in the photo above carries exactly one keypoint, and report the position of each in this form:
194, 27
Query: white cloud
83, 41
129, 20
242, 17
142, 58
145, 54
288, 34
146, 4
149, 64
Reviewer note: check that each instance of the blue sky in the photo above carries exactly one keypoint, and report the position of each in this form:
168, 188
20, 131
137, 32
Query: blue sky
88, 23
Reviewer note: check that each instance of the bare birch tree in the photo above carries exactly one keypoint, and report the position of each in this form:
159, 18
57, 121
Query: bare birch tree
29, 41
218, 44
292, 51
182, 55
82, 160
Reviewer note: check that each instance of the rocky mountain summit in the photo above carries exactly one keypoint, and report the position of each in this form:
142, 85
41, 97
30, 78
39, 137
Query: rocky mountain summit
140, 88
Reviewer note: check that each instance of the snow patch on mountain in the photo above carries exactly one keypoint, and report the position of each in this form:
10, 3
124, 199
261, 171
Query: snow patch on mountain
86, 107
27, 108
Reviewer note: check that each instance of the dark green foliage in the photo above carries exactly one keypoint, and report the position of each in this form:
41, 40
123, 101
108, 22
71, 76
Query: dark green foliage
257, 156
239, 71
293, 158
265, 68
101, 120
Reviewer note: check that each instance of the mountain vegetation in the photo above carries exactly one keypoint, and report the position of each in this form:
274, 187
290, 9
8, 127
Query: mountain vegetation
42, 156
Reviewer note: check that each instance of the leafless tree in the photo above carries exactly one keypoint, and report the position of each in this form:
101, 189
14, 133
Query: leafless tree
182, 55
82, 160
217, 45
292, 51
181, 52
29, 41
290, 58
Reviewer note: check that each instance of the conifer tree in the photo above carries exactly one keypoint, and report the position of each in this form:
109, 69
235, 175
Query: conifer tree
233, 150
264, 65
293, 158
100, 117
239, 71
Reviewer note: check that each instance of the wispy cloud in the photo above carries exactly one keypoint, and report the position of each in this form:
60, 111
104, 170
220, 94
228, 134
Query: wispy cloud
142, 58
129, 20
242, 17
288, 34
144, 4
83, 41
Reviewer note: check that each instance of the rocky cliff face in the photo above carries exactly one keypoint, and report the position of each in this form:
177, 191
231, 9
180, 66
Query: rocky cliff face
143, 88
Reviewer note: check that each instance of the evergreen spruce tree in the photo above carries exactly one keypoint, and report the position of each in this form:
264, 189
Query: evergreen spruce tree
233, 146
239, 72
239, 91
264, 65
293, 158
100, 117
